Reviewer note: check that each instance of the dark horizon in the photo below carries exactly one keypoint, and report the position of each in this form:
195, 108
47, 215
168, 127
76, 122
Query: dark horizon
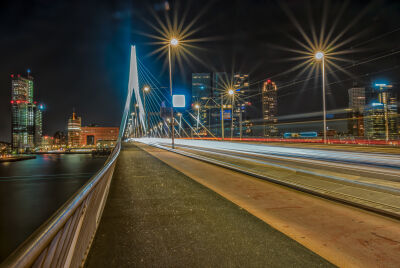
78, 53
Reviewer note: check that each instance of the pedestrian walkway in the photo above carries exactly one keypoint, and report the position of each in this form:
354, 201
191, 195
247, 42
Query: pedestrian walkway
156, 216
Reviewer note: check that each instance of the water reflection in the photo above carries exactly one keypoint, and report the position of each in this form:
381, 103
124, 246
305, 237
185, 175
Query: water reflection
32, 190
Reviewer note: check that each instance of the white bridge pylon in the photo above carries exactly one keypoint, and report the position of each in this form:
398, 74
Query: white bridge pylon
133, 85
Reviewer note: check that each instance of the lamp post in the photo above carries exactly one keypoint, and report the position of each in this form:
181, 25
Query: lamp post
232, 93
133, 124
180, 123
197, 107
137, 121
319, 56
173, 42
145, 90
222, 117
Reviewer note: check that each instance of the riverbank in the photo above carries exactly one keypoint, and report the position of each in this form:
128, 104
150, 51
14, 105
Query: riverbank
17, 158
63, 152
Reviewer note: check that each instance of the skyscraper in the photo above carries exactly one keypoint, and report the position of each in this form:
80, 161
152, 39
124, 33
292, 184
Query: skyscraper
357, 102
74, 130
201, 97
23, 111
380, 115
270, 108
38, 124
357, 98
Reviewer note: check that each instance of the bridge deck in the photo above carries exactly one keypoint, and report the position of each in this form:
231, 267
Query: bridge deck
156, 216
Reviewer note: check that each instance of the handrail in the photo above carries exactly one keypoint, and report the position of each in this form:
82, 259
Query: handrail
65, 239
31, 252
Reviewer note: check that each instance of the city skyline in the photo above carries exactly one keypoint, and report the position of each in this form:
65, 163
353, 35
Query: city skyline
261, 60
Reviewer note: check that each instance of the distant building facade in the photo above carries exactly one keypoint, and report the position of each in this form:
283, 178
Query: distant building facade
99, 136
25, 123
201, 98
74, 130
380, 115
270, 108
60, 139
357, 98
357, 102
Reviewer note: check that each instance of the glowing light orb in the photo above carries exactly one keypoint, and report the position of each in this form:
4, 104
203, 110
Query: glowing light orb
319, 55
231, 92
174, 42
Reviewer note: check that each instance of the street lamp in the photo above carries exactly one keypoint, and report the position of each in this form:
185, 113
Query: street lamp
231, 92
197, 107
146, 89
173, 42
180, 122
320, 56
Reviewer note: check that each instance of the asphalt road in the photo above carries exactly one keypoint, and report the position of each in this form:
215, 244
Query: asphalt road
372, 165
156, 216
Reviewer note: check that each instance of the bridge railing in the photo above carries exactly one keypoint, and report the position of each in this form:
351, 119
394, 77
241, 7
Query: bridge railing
64, 240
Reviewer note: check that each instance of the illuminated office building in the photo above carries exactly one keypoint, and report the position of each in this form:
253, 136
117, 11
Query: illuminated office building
74, 130
24, 132
357, 98
380, 115
201, 98
270, 108
38, 124
357, 102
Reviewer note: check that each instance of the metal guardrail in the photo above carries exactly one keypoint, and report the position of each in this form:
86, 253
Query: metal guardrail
65, 239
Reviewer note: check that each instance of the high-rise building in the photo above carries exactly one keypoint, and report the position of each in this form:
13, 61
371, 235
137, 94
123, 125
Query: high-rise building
201, 86
38, 124
357, 102
380, 115
23, 109
240, 83
270, 108
357, 98
201, 98
74, 130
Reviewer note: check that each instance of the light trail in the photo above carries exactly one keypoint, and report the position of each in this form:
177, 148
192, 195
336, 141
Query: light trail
359, 158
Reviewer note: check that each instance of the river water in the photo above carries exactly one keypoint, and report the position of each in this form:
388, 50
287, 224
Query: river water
32, 190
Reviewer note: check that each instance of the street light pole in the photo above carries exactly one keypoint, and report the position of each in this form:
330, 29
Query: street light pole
170, 89
180, 123
231, 92
172, 42
324, 97
240, 121
320, 56
222, 116
146, 89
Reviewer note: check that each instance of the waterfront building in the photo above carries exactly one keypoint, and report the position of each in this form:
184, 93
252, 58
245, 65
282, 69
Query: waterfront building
74, 130
60, 139
99, 136
38, 124
270, 108
380, 115
24, 133
47, 143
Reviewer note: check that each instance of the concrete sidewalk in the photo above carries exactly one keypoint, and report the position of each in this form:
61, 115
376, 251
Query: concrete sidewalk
156, 216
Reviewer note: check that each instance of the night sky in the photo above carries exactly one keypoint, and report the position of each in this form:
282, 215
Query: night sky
78, 51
